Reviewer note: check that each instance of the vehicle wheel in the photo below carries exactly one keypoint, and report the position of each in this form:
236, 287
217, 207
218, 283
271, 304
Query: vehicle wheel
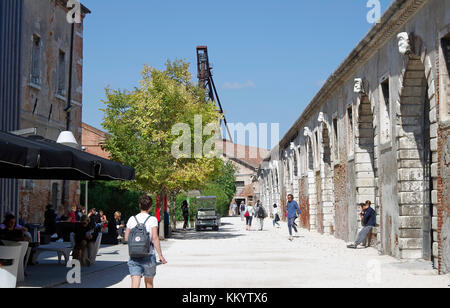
216, 229
197, 229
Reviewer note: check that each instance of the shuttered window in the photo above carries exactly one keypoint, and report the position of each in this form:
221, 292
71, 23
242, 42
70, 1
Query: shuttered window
61, 73
36, 61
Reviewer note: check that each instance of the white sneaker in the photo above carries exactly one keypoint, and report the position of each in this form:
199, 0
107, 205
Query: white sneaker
291, 238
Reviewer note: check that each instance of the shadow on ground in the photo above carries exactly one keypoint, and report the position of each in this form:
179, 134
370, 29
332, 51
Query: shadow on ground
204, 235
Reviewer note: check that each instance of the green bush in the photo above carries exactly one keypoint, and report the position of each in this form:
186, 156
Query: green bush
109, 197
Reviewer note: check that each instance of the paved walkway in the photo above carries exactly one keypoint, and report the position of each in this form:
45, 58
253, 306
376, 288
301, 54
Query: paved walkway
235, 258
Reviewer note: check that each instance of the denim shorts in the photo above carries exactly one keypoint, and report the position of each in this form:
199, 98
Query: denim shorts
143, 266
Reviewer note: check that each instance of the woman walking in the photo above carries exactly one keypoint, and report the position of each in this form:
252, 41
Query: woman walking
249, 212
276, 217
185, 209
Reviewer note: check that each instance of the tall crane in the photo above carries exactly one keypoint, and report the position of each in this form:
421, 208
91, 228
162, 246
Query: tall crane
206, 81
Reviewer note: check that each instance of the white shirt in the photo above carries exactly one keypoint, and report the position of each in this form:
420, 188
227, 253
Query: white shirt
151, 223
250, 210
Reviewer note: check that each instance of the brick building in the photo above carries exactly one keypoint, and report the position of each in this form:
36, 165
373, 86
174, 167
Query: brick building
378, 130
246, 159
93, 140
41, 84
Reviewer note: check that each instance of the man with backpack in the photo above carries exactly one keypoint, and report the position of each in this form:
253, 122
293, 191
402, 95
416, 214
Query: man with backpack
142, 237
261, 214
242, 210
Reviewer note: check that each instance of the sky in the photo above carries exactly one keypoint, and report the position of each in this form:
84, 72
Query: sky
269, 57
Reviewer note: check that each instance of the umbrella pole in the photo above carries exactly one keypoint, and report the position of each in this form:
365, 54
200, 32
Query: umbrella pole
86, 198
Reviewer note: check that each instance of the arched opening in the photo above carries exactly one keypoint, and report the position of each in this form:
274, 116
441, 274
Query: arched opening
365, 156
414, 154
311, 187
327, 206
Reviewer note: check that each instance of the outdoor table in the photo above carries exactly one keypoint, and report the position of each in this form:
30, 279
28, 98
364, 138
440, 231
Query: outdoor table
61, 248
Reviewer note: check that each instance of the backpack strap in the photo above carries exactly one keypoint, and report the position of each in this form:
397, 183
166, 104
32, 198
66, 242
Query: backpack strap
137, 221
147, 219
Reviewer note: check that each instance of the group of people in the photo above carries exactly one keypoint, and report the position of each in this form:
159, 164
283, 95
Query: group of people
247, 212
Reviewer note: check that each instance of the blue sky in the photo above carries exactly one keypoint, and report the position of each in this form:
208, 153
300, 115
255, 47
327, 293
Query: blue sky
269, 57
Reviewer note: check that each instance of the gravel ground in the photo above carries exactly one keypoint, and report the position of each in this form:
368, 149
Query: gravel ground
235, 258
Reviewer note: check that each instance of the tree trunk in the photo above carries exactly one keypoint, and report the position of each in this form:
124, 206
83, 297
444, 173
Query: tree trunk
161, 216
174, 213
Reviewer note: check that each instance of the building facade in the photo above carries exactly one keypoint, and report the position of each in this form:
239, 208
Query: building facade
378, 130
93, 141
46, 95
246, 160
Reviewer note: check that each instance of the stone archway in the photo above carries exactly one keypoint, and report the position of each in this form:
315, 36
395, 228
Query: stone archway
365, 149
414, 153
311, 185
326, 173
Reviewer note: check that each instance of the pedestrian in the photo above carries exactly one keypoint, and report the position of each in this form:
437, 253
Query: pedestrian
242, 210
260, 214
249, 212
143, 265
292, 209
50, 220
185, 209
276, 217
85, 237
234, 208
368, 220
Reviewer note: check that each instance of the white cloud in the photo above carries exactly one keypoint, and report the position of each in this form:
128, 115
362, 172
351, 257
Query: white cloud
238, 86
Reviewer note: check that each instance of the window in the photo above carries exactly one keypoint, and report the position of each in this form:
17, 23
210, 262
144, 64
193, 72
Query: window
295, 164
316, 134
335, 139
385, 112
27, 184
61, 73
55, 191
446, 52
351, 135
35, 75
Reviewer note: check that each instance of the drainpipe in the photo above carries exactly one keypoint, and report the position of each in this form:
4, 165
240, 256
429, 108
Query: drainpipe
69, 105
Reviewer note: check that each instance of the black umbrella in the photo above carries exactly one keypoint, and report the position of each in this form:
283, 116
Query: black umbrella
39, 158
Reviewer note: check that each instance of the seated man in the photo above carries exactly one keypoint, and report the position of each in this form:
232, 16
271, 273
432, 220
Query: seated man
10, 231
368, 220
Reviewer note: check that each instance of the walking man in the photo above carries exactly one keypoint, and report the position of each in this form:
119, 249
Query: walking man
242, 210
261, 214
292, 209
368, 220
185, 209
143, 266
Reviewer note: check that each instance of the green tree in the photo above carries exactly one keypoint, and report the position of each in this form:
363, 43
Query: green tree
223, 187
141, 126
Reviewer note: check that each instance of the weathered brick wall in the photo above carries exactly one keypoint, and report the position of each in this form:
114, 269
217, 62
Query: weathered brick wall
341, 203
303, 202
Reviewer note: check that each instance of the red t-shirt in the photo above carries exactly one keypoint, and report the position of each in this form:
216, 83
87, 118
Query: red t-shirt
72, 216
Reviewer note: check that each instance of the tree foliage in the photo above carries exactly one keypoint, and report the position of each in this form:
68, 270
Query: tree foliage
140, 123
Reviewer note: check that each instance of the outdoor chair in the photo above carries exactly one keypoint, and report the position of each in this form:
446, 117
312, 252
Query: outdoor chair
24, 255
98, 241
8, 273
